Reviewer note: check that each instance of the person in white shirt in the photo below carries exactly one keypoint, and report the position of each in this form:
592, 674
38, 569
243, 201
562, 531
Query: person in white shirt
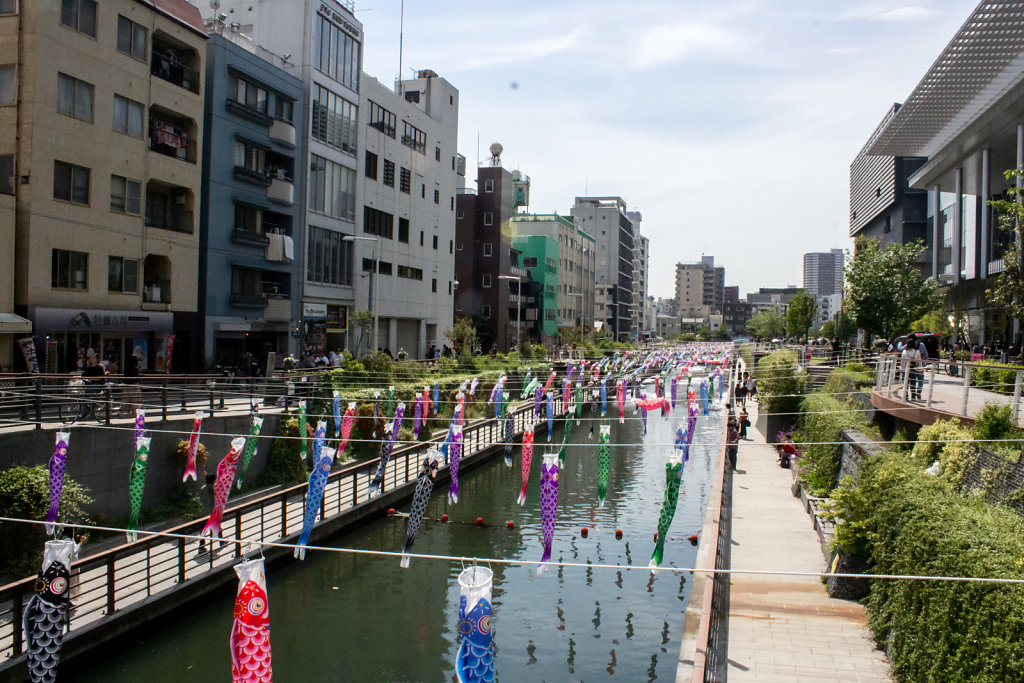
912, 364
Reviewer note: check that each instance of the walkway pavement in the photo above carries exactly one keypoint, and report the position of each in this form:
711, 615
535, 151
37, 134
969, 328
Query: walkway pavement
947, 395
786, 628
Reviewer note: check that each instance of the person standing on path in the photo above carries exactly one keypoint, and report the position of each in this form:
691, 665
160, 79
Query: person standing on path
911, 364
732, 438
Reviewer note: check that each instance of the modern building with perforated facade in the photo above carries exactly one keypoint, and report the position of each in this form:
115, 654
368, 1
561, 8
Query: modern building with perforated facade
966, 117
823, 272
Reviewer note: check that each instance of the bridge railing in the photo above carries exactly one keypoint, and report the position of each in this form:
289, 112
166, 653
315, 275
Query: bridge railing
107, 584
950, 385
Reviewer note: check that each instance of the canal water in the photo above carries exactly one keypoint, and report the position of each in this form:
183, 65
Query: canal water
338, 616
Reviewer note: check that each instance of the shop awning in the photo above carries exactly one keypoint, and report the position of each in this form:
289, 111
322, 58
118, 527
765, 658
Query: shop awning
14, 324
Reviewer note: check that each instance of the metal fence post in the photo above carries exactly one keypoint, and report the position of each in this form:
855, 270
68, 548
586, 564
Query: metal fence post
967, 388
163, 400
878, 378
39, 403
107, 403
1016, 395
931, 385
212, 385
906, 383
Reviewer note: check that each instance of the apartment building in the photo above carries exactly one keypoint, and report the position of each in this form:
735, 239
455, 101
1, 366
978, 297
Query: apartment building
486, 263
101, 122
823, 272
407, 187
607, 220
539, 257
576, 263
321, 44
641, 262
700, 288
250, 207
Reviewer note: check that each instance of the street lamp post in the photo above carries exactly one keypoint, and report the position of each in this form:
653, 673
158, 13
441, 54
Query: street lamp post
371, 296
519, 301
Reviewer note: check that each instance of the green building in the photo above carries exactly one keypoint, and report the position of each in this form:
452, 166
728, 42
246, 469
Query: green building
539, 257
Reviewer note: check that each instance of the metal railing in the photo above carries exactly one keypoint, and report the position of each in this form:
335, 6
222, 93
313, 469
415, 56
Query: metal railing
109, 584
946, 384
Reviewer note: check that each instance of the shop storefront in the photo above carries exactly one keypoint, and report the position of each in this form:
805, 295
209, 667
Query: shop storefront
314, 329
337, 327
66, 337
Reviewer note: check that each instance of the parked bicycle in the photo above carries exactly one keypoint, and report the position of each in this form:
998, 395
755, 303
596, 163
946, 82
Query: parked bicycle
83, 402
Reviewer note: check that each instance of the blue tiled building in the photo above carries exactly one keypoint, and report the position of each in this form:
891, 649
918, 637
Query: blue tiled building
249, 279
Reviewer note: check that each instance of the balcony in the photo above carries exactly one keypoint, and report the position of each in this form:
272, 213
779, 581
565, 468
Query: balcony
172, 135
282, 132
254, 176
278, 309
242, 300
175, 62
251, 113
281, 190
243, 236
169, 207
156, 283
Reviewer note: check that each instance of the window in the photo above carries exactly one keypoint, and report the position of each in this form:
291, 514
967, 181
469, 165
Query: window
435, 242
529, 262
247, 219
421, 238
405, 180
252, 96
378, 223
403, 230
123, 275
488, 218
488, 249
70, 182
423, 191
125, 195
451, 246
452, 203
437, 196
433, 285
334, 120
332, 189
6, 174
79, 15
410, 273
389, 173
485, 311
328, 257
74, 97
8, 6
250, 158
131, 38
371, 165
335, 53
437, 154
69, 269
128, 116
489, 185
382, 119
486, 280
284, 109
8, 91
414, 137
383, 267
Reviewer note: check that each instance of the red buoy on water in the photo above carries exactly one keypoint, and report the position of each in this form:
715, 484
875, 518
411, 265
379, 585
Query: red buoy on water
584, 531
655, 535
618, 533
510, 524
479, 521
444, 518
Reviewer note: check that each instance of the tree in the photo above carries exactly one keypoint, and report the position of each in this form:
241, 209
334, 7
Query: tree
1006, 294
933, 321
767, 325
463, 336
800, 316
886, 289
363, 320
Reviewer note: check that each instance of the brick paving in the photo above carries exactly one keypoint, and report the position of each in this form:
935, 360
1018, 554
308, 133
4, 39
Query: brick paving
786, 628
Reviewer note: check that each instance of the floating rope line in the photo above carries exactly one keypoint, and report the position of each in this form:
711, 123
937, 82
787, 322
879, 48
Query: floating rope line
526, 563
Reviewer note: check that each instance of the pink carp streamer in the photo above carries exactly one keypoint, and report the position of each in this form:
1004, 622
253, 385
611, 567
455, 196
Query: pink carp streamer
620, 398
250, 631
527, 459
222, 488
193, 446
547, 385
346, 426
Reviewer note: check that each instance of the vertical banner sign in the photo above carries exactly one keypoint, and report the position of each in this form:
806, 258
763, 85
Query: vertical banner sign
28, 349
170, 348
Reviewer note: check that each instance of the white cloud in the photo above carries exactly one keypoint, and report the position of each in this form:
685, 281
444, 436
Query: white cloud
680, 42
522, 51
886, 13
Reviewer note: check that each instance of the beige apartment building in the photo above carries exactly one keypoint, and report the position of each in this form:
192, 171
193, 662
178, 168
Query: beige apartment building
101, 117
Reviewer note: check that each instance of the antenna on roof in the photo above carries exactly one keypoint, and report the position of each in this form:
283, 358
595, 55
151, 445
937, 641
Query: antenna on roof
401, 33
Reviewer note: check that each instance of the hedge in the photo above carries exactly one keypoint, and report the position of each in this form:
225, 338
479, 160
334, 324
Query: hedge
910, 522
780, 383
822, 421
994, 376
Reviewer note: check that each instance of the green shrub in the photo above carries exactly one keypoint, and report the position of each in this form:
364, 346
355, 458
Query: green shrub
994, 423
903, 440
947, 441
285, 465
823, 419
994, 376
378, 365
909, 522
25, 494
779, 383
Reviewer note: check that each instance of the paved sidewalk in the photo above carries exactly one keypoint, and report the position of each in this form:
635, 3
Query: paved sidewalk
786, 628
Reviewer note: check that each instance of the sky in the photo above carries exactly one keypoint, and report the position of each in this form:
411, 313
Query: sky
729, 124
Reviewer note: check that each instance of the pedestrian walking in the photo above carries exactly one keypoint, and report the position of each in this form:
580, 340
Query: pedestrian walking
744, 423
732, 442
911, 365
